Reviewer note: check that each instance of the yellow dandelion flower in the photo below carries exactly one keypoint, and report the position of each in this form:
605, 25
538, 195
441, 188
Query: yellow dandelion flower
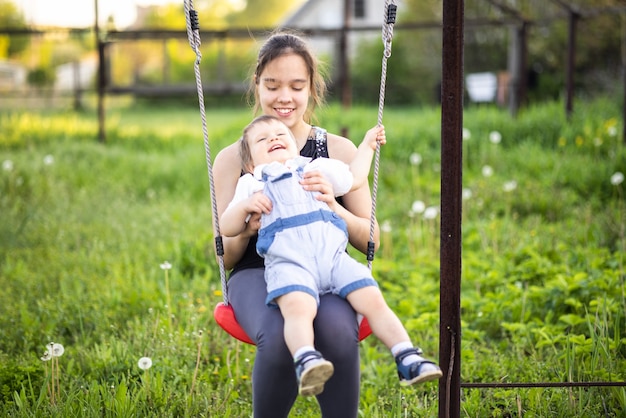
562, 141
579, 141
217, 292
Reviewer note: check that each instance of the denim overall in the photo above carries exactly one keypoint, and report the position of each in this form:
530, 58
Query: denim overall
303, 241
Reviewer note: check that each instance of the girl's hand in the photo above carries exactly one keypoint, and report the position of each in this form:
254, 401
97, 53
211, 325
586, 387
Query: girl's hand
314, 181
375, 136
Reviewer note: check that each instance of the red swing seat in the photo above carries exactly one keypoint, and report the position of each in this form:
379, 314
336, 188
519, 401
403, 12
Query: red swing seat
225, 317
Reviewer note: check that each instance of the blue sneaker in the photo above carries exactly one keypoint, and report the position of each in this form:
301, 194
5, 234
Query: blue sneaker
312, 371
419, 371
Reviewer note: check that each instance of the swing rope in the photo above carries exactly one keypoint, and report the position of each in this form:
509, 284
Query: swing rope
387, 35
193, 33
223, 312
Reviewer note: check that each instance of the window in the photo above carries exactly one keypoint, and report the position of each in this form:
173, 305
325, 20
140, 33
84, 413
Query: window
359, 9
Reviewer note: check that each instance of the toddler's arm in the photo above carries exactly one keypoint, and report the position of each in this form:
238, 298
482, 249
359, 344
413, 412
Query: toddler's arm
233, 220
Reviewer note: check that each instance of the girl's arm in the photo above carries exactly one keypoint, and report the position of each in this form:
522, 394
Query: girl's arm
362, 162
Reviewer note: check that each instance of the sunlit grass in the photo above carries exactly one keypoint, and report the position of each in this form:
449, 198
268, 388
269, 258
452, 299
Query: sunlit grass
85, 228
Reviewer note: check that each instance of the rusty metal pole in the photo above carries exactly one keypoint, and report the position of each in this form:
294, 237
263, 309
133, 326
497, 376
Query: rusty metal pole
344, 66
101, 69
624, 77
451, 183
571, 63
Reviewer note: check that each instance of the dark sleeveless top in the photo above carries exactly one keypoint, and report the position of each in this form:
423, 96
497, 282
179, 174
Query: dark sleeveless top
315, 147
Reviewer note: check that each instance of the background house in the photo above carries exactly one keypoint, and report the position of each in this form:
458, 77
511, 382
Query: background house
329, 15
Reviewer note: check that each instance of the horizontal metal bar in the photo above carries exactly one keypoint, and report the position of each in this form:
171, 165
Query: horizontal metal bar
541, 385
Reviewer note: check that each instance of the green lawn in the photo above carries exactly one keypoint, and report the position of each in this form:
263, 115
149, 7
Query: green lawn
85, 229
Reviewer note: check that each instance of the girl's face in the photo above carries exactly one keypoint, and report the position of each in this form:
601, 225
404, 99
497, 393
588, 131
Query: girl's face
284, 89
271, 141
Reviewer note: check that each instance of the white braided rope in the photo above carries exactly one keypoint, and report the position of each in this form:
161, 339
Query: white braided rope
387, 36
194, 41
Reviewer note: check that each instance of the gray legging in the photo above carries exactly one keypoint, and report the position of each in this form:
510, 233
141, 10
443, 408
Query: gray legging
274, 388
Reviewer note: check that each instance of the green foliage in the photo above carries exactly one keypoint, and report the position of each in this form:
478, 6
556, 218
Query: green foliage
41, 77
86, 227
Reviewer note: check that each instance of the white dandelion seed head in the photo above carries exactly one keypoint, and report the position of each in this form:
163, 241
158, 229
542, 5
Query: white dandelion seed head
466, 193
487, 171
597, 141
165, 265
386, 226
48, 160
46, 356
415, 158
509, 186
617, 178
466, 134
431, 212
57, 350
612, 130
144, 363
7, 165
418, 206
495, 137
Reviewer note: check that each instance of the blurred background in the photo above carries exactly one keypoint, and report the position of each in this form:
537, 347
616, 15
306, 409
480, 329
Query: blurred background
516, 51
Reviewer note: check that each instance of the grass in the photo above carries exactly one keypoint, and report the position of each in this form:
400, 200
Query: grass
86, 228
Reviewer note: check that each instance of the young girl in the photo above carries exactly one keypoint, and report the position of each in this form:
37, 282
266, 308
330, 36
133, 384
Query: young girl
292, 217
286, 83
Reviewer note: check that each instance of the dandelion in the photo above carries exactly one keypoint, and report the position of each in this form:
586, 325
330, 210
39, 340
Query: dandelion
495, 137
466, 134
562, 141
48, 160
415, 158
597, 141
617, 178
7, 165
612, 130
53, 352
386, 226
418, 206
57, 350
166, 266
580, 141
217, 292
487, 171
144, 363
431, 212
466, 193
509, 186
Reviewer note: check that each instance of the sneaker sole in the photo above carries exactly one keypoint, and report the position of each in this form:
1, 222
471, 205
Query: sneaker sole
313, 379
423, 377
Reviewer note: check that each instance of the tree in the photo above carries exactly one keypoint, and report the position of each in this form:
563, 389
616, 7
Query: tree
11, 18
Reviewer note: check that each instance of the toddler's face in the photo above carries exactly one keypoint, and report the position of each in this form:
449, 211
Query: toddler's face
271, 141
